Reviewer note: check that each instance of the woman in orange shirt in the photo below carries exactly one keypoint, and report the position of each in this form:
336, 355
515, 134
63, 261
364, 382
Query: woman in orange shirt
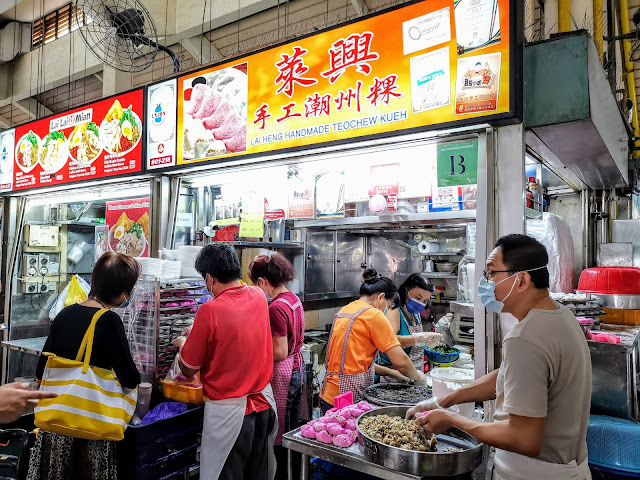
359, 331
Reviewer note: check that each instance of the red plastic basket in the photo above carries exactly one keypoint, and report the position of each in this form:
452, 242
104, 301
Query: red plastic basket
610, 280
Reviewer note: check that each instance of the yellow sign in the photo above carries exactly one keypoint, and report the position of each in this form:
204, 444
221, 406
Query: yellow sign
415, 67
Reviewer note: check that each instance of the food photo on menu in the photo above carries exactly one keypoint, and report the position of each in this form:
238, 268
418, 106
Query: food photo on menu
215, 113
120, 130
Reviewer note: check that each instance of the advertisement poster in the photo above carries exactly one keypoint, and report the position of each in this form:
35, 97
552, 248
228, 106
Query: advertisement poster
477, 24
128, 224
101, 241
478, 84
330, 195
430, 81
92, 142
7, 142
380, 75
385, 186
214, 117
161, 124
301, 202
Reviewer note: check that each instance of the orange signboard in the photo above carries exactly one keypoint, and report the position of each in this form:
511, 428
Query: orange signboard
416, 67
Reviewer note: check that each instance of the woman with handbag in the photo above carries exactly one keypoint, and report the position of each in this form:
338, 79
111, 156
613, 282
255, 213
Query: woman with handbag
61, 457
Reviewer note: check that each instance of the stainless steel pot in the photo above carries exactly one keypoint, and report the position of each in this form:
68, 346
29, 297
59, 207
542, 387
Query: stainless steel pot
442, 463
626, 302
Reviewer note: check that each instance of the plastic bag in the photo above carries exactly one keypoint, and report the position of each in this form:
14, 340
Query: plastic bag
163, 411
174, 375
80, 288
76, 293
554, 233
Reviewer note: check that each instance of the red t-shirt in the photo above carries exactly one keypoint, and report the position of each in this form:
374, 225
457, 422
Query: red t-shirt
230, 343
283, 325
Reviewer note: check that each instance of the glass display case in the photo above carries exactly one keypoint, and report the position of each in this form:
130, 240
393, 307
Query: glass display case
61, 235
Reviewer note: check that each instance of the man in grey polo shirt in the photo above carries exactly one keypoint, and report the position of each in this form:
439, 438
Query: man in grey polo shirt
543, 386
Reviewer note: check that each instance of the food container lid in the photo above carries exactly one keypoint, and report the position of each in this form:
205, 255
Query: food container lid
610, 280
453, 374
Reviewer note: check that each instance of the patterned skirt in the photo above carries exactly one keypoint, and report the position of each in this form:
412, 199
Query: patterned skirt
58, 457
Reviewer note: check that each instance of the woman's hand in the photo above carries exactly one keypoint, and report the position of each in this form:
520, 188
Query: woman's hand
179, 342
396, 375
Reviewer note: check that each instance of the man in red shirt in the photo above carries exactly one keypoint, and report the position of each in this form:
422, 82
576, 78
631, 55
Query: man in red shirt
230, 344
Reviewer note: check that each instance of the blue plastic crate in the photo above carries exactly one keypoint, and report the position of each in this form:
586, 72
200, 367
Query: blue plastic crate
614, 443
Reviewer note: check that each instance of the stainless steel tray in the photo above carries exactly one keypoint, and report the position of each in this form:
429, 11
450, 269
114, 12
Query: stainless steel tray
370, 394
442, 462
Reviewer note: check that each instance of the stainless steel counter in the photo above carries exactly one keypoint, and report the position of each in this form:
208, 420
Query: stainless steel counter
615, 369
33, 346
346, 457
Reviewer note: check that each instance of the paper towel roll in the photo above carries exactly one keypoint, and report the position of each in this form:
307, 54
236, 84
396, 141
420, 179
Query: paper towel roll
427, 247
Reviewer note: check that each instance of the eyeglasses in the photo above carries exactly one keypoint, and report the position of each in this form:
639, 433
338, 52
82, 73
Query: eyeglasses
487, 274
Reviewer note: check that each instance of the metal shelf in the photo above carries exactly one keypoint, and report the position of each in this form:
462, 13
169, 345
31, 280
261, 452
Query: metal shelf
463, 216
460, 253
439, 275
266, 245
533, 214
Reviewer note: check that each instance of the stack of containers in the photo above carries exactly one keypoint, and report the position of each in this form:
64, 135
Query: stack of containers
619, 290
187, 257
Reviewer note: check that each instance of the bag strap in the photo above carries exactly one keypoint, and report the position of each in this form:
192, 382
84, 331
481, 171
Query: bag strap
87, 341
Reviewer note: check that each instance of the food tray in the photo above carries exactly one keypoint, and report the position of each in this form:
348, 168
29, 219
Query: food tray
444, 462
374, 393
182, 393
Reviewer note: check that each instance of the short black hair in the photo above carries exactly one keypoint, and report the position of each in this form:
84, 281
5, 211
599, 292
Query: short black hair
375, 283
220, 261
414, 280
112, 275
521, 253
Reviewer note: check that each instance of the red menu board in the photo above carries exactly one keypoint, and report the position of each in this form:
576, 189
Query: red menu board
99, 140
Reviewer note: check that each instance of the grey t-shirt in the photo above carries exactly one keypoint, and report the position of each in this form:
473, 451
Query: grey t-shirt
546, 372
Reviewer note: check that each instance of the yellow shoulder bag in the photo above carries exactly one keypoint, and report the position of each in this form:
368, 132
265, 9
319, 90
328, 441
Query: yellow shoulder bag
91, 403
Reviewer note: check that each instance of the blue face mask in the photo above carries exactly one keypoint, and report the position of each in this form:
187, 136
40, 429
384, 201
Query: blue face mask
126, 303
487, 291
414, 307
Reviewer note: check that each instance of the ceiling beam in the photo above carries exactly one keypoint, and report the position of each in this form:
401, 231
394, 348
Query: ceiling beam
32, 107
201, 49
361, 9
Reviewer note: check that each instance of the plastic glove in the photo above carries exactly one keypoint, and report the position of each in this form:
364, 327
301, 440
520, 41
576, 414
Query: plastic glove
424, 406
423, 380
428, 339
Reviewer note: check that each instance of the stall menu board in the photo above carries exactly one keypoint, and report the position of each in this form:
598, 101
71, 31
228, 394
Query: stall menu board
99, 140
415, 67
128, 224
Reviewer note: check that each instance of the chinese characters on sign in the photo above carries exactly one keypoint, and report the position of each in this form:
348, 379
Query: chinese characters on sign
410, 68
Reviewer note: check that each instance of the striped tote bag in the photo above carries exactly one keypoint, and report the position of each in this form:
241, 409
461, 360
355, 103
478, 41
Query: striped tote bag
91, 403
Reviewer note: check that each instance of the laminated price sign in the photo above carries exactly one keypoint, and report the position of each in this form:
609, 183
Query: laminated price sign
252, 216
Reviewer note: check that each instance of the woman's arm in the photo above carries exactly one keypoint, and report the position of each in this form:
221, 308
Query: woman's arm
389, 372
280, 348
403, 364
120, 354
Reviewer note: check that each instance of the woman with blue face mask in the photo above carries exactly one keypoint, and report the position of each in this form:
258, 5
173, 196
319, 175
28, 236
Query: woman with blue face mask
406, 322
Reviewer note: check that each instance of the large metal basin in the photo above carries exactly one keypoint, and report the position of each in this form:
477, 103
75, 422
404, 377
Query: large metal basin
441, 463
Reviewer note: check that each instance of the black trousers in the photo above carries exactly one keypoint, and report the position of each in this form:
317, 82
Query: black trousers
248, 457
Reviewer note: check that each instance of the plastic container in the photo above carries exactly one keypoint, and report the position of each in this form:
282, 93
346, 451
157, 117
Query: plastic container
621, 317
441, 359
449, 379
614, 443
610, 280
183, 393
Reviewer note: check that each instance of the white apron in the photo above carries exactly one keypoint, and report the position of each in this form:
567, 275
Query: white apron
221, 426
513, 466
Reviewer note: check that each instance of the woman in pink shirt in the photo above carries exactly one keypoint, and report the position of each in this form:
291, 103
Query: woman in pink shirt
272, 274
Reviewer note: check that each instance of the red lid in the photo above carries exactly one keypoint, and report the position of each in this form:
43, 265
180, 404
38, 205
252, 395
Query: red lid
532, 179
610, 280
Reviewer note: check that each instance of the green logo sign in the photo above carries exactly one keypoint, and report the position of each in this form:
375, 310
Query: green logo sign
458, 164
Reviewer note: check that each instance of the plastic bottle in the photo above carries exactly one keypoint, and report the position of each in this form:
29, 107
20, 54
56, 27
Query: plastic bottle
530, 197
144, 399
537, 194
